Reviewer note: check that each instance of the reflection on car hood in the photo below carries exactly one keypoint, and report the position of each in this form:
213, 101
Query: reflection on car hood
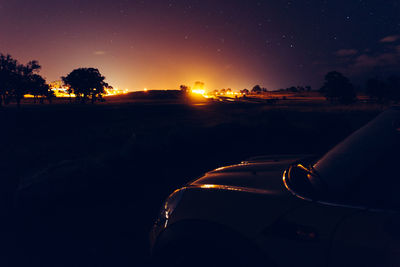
258, 175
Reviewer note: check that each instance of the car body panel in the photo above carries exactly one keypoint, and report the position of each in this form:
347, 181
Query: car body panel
237, 196
304, 233
252, 176
244, 212
330, 221
251, 199
365, 239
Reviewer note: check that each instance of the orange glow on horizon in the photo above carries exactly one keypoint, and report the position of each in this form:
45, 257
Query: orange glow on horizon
200, 92
62, 91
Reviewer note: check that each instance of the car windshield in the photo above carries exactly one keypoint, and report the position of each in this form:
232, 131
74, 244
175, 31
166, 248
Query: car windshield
368, 157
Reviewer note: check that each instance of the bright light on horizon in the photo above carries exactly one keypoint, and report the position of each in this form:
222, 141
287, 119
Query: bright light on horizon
60, 90
199, 91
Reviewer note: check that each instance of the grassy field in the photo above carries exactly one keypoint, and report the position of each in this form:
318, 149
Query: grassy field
91, 178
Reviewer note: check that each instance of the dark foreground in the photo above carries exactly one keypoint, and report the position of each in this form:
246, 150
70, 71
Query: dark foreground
81, 184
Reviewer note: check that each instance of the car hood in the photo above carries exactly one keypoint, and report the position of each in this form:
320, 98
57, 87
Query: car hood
257, 175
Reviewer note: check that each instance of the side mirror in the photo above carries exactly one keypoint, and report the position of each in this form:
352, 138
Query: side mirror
298, 180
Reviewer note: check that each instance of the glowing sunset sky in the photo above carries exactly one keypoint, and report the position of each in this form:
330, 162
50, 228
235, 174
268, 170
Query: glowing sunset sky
161, 44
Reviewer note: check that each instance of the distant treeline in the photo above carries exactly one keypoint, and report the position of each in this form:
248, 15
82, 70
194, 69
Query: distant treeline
337, 88
257, 89
18, 80
87, 84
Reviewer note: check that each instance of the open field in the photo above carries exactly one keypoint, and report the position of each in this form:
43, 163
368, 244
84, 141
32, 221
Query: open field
92, 177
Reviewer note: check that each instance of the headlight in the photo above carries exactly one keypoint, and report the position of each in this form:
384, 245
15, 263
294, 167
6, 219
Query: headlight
169, 206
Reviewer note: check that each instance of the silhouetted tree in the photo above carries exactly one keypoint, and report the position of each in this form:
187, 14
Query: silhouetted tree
264, 90
393, 83
50, 95
338, 88
15, 78
86, 83
184, 88
38, 87
308, 88
41, 88
199, 85
245, 91
292, 89
23, 80
8, 69
256, 89
377, 89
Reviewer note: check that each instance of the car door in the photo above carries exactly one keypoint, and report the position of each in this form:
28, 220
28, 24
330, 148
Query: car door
303, 236
367, 238
370, 237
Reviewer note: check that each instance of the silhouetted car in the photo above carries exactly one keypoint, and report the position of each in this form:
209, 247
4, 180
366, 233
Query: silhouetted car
341, 209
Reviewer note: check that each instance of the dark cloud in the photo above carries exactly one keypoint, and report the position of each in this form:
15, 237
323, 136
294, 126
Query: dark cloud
390, 39
368, 62
378, 60
346, 52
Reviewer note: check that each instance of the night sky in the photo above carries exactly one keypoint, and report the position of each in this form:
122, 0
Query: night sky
160, 44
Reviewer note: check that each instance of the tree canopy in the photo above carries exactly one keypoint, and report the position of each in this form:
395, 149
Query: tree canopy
245, 91
86, 83
17, 80
39, 88
256, 89
184, 88
338, 88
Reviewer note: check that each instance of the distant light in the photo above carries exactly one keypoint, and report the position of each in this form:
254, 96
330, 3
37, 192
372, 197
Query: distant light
145, 89
199, 91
